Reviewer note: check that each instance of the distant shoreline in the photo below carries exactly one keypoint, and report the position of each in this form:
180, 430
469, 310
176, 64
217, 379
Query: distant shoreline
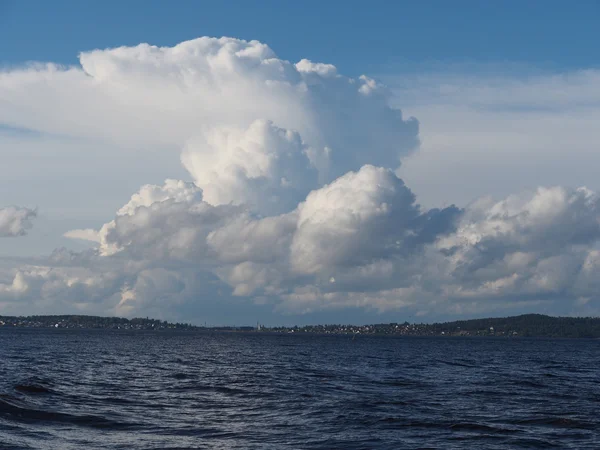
528, 325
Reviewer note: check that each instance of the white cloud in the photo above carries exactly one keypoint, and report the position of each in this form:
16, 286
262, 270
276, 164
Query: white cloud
360, 215
87, 234
295, 203
264, 167
349, 230
125, 114
15, 221
363, 231
147, 96
173, 190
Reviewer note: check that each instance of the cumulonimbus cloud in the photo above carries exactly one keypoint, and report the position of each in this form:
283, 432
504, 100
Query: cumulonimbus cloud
293, 199
211, 92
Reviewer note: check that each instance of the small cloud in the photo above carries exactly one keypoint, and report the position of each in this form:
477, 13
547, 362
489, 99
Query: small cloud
85, 234
15, 220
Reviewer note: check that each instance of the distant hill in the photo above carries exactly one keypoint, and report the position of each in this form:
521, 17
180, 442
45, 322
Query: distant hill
77, 321
528, 325
535, 325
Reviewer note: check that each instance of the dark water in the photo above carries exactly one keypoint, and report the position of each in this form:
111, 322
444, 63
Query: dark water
141, 390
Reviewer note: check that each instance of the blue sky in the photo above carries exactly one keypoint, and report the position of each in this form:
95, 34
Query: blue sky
234, 181
356, 36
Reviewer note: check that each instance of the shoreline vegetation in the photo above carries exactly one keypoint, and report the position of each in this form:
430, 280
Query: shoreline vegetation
528, 325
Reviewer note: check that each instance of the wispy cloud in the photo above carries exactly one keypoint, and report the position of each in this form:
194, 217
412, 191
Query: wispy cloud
500, 130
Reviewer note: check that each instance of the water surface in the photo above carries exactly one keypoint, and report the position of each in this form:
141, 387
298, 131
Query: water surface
74, 389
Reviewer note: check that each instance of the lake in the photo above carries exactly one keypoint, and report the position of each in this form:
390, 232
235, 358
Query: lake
102, 389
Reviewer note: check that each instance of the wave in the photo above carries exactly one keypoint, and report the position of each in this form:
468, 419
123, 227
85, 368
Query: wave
14, 409
32, 389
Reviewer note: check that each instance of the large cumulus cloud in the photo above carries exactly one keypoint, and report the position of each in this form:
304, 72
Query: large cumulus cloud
358, 230
292, 200
362, 241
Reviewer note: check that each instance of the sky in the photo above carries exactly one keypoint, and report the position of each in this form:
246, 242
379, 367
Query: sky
290, 163
355, 36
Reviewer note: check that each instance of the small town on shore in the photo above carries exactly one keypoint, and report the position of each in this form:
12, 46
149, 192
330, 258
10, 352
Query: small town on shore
528, 325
